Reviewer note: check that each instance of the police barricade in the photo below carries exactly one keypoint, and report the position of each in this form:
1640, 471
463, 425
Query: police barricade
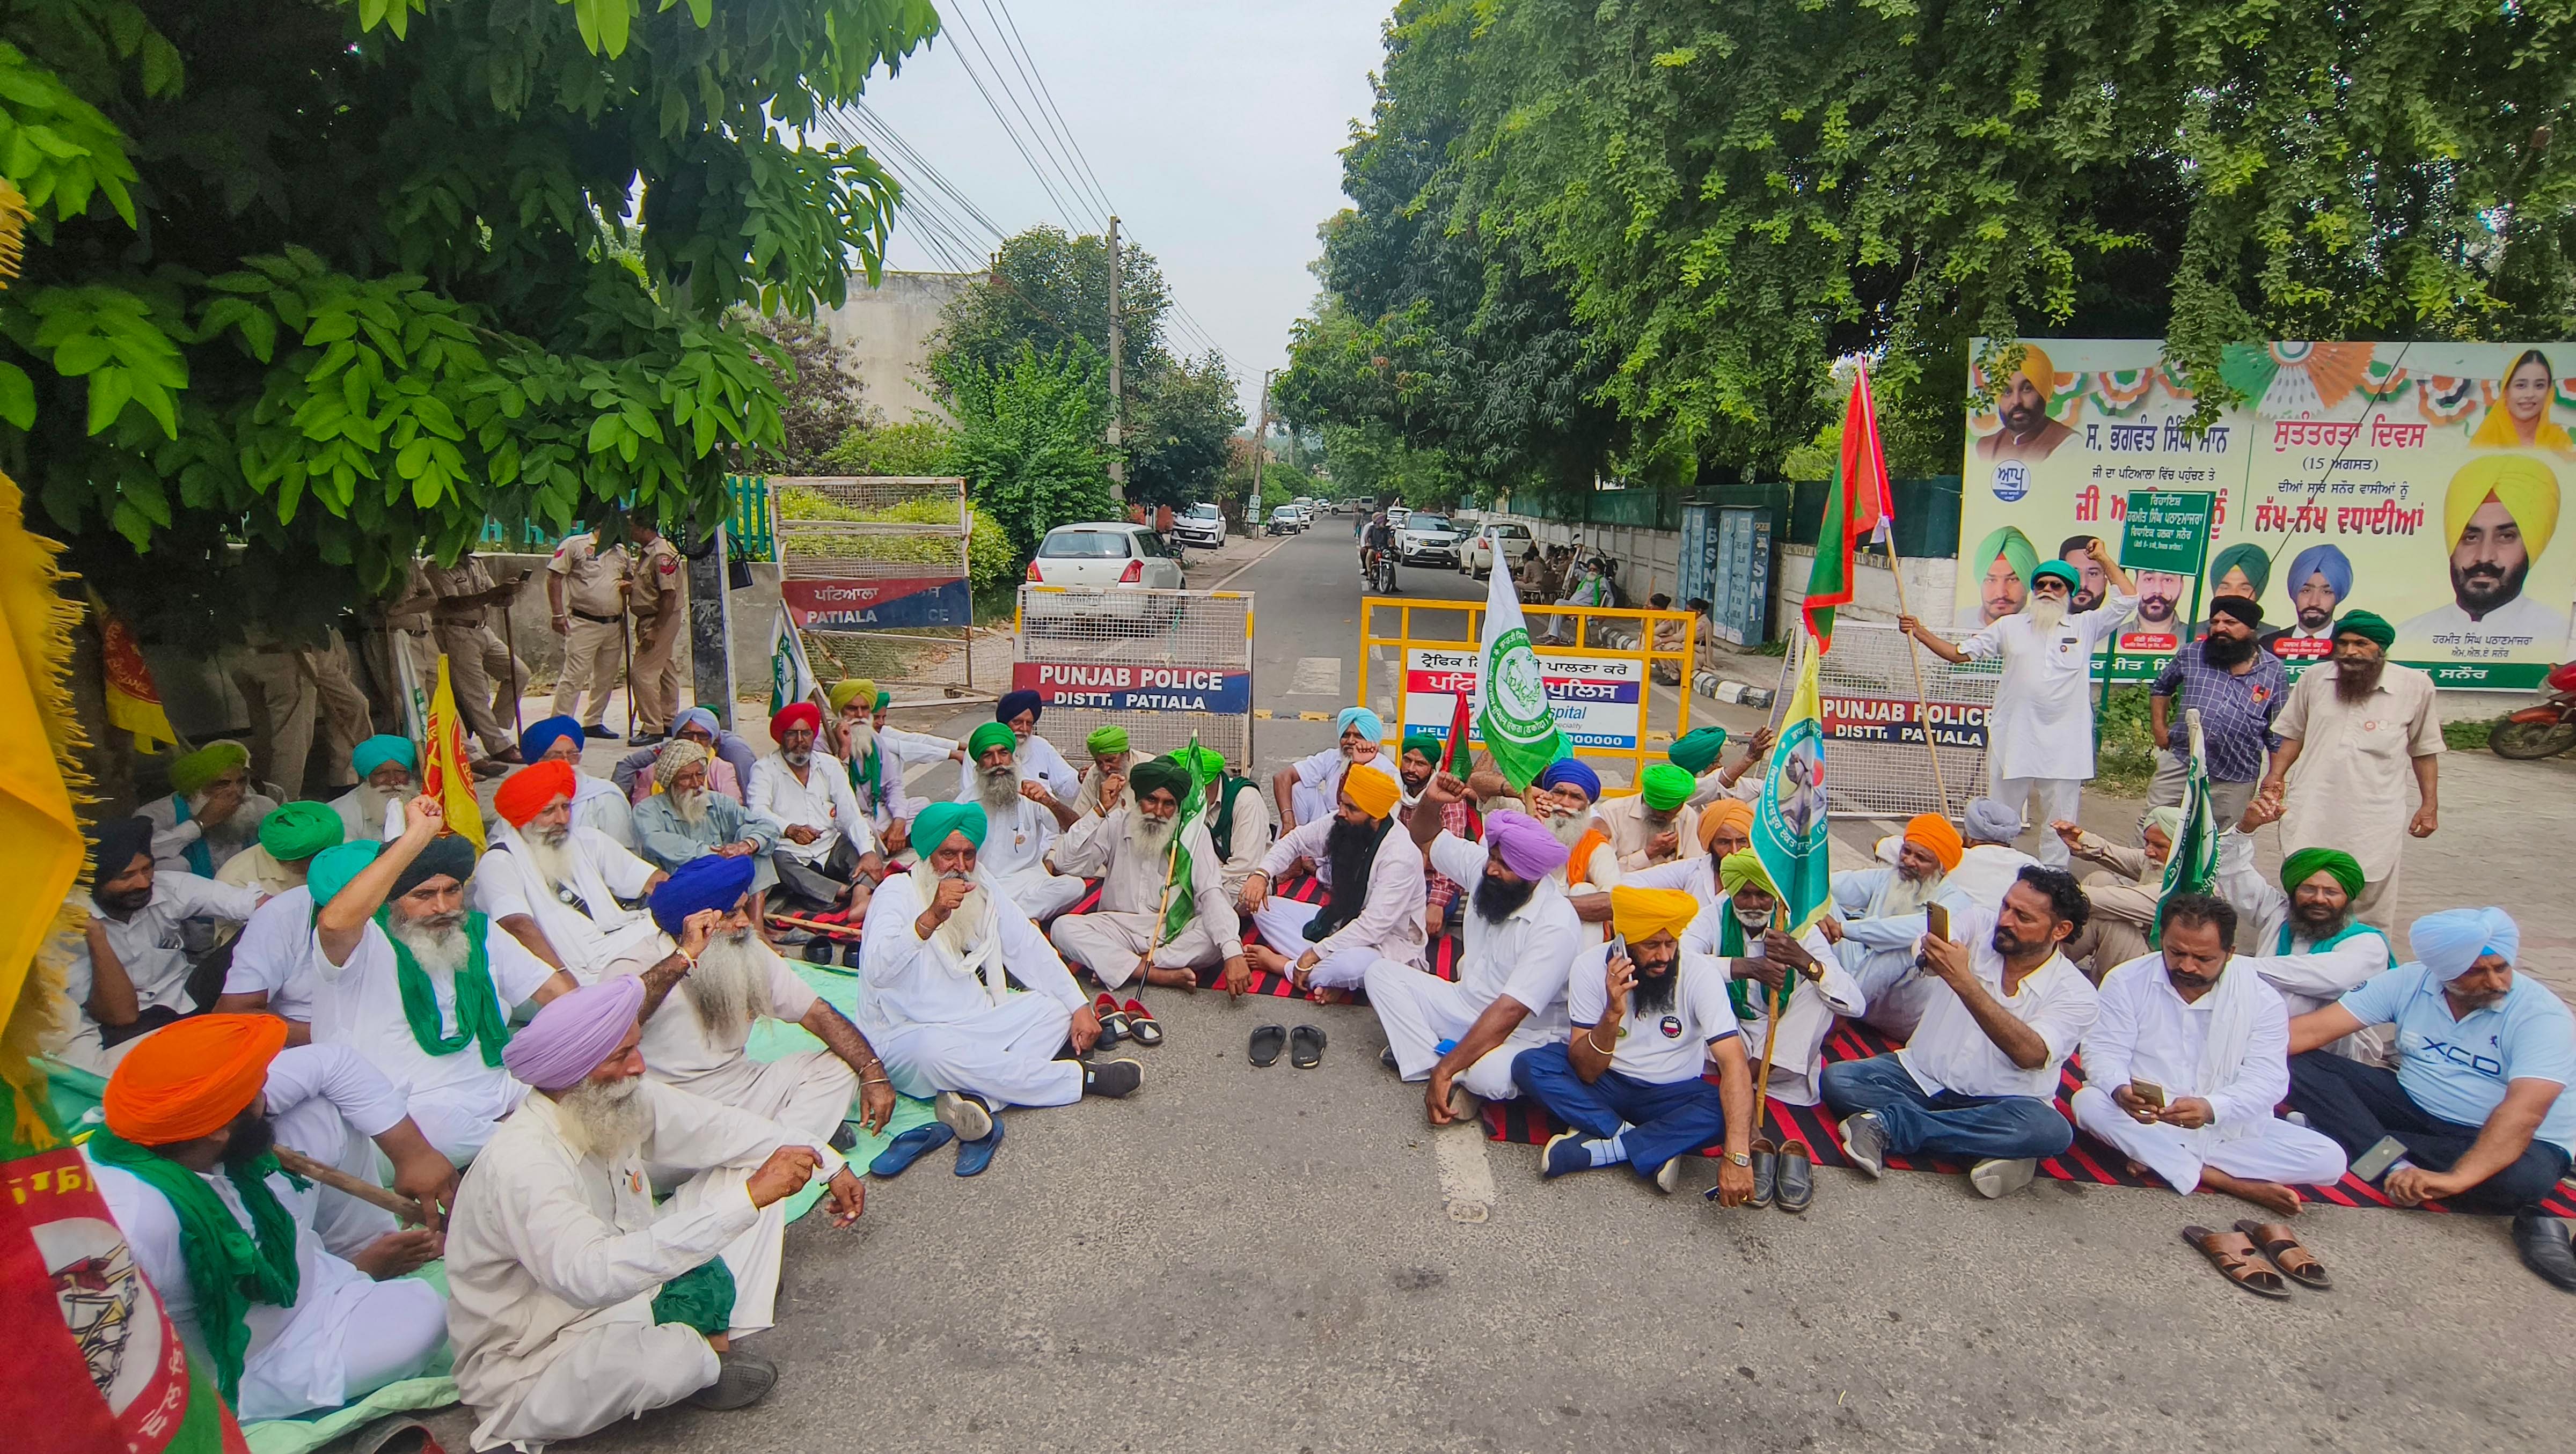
1418, 657
1165, 665
872, 574
1874, 723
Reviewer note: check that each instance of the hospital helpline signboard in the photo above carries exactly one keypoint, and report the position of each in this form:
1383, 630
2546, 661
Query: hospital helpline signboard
2419, 480
1596, 700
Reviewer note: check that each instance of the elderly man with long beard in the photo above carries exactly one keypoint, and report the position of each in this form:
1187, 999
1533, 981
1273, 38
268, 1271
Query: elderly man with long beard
385, 765
1516, 950
2124, 894
1037, 759
938, 955
688, 819
2351, 741
393, 986
1374, 875
1763, 965
556, 887
728, 980
1879, 913
1641, 1099
596, 801
1112, 754
1309, 789
1023, 815
730, 760
187, 1163
1563, 799
211, 814
1656, 823
877, 757
576, 1301
1152, 872
826, 855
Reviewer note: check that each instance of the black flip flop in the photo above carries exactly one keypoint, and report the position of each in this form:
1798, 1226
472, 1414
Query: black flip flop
1267, 1042
1306, 1046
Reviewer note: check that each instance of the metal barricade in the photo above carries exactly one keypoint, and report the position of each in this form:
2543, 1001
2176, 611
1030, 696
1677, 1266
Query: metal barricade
873, 572
1874, 722
1163, 664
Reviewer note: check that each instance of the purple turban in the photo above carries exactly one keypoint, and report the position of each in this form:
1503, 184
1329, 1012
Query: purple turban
1523, 844
1569, 772
571, 1036
709, 881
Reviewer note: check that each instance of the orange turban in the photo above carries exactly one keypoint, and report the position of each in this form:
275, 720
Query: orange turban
531, 790
190, 1078
1374, 791
1719, 814
1935, 833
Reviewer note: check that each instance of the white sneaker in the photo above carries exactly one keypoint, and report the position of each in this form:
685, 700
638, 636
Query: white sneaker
1993, 1177
965, 1114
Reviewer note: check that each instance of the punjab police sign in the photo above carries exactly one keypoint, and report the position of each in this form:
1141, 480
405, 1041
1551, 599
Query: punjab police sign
1113, 687
1165, 665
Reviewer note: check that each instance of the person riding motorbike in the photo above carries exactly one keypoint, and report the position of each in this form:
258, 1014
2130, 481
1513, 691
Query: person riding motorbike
1374, 544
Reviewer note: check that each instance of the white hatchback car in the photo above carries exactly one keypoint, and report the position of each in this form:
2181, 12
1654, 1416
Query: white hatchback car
1503, 540
1105, 553
1202, 525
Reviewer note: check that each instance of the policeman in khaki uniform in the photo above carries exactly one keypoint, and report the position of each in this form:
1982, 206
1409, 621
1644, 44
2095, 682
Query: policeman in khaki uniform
487, 679
586, 585
295, 693
660, 615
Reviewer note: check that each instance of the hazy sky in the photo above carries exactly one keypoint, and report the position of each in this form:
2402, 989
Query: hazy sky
1214, 126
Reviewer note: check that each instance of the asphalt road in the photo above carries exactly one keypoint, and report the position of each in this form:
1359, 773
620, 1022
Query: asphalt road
1293, 1260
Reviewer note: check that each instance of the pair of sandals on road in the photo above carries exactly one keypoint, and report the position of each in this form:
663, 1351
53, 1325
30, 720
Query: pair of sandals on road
1304, 1044
2261, 1257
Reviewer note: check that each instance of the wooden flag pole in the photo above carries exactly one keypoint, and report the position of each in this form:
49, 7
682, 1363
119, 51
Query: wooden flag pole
1914, 659
298, 1164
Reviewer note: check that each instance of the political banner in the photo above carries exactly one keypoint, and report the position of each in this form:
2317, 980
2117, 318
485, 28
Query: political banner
1597, 701
1111, 686
2420, 480
877, 605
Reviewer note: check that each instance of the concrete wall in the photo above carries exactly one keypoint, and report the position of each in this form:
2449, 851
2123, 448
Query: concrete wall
888, 328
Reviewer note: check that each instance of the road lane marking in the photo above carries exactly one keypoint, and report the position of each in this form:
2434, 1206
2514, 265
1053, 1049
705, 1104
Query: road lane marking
1247, 565
1466, 1180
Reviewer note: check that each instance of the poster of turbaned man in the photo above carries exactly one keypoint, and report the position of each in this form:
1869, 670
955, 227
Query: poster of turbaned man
2418, 480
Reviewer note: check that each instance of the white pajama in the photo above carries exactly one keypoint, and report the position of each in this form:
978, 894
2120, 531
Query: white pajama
808, 1092
1418, 1010
2271, 1150
1797, 1054
1005, 1055
1133, 898
2059, 798
1107, 944
1044, 895
327, 1102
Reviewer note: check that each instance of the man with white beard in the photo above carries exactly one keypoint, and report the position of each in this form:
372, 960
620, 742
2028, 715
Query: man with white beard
1023, 815
384, 764
689, 819
555, 886
1150, 869
1879, 913
939, 953
1112, 755
728, 980
1309, 789
877, 756
576, 1302
1563, 799
827, 849
213, 810
2041, 734
393, 989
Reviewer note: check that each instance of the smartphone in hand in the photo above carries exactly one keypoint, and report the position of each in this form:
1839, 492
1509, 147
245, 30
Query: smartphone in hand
2148, 1091
1936, 920
2384, 1153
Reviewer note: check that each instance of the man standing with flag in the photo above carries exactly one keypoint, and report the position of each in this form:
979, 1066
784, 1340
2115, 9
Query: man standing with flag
1164, 913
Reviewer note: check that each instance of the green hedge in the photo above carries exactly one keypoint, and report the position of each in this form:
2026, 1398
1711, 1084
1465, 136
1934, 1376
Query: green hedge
990, 562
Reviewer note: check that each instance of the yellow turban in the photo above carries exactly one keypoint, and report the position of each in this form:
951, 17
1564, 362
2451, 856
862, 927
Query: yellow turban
1374, 791
855, 689
2523, 485
1723, 813
1736, 870
2036, 368
1641, 914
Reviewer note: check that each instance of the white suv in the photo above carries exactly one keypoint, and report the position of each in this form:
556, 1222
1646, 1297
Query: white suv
1425, 539
1202, 525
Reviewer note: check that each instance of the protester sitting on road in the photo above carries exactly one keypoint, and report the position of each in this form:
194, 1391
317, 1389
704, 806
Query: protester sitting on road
1375, 908
385, 765
576, 1301
1879, 914
1725, 826
942, 945
1024, 816
1414, 767
1697, 753
1563, 799
878, 757
1516, 950
1655, 824
212, 811
1238, 820
688, 820
826, 852
1164, 914
1037, 757
1979, 1078
1738, 905
1308, 788
288, 838
730, 765
1640, 1099
131, 972
596, 802
2483, 1054
1989, 865
1110, 752
2306, 940
2187, 1061
556, 888
2123, 892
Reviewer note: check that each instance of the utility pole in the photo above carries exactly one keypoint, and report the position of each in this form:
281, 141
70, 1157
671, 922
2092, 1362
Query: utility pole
1260, 439
1117, 377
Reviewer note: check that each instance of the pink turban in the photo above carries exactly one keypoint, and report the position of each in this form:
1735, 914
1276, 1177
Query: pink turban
1523, 843
571, 1036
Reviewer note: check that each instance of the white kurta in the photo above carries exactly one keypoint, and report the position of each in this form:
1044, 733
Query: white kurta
2308, 978
150, 947
1319, 782
1986, 872
808, 1092
170, 837
821, 800
1878, 948
1389, 924
1624, 819
553, 1260
938, 1028
1528, 956
329, 1103
1014, 859
1037, 758
596, 803
273, 956
1951, 1051
586, 938
2042, 722
1109, 940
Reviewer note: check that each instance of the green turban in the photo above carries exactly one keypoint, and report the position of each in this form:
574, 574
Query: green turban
2369, 625
298, 831
206, 764
2247, 557
2166, 820
2303, 865
931, 830
1736, 870
844, 693
1161, 774
1207, 762
380, 749
332, 868
1106, 740
1422, 742
1697, 751
989, 736
2008, 542
1665, 787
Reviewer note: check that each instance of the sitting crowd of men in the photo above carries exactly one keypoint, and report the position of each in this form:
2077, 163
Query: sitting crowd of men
550, 1046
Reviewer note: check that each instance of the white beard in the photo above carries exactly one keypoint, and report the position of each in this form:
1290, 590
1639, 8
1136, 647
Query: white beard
440, 952
722, 985
372, 803
691, 806
1569, 828
969, 926
1151, 836
998, 789
2047, 613
605, 1122
551, 858
1907, 896
863, 739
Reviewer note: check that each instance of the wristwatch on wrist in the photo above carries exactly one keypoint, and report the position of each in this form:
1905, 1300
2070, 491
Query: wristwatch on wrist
1740, 1158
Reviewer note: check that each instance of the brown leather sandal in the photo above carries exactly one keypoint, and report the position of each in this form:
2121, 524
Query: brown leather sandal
2234, 1255
2287, 1253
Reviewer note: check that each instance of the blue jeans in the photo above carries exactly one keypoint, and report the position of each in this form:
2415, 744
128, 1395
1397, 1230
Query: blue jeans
1672, 1119
2011, 1128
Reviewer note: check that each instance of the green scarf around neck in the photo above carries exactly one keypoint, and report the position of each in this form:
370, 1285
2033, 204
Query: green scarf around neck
1730, 945
479, 1016
228, 1269
869, 785
2322, 945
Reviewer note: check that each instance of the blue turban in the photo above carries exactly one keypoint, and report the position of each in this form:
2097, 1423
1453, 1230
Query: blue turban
542, 735
383, 748
1370, 724
1013, 704
2449, 942
1989, 821
1568, 771
709, 881
2325, 560
698, 717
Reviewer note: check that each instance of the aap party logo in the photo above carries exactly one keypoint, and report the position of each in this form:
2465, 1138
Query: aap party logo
2012, 480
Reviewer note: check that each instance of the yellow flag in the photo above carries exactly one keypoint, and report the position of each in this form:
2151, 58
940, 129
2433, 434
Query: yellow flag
133, 702
444, 774
37, 917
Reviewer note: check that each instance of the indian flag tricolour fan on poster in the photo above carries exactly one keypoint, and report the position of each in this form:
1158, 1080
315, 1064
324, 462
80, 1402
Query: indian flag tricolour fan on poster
1517, 725
1789, 823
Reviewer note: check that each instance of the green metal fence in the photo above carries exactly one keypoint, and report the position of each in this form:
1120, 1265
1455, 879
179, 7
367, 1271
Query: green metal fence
748, 533
1927, 510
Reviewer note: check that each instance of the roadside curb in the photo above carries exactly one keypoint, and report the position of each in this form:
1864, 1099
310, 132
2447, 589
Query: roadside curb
1706, 683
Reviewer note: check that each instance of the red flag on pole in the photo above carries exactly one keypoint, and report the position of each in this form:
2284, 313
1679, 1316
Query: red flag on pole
1858, 506
1454, 761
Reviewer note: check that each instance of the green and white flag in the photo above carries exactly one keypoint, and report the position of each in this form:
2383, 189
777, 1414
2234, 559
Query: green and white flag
1514, 719
1791, 831
791, 678
1179, 901
2193, 866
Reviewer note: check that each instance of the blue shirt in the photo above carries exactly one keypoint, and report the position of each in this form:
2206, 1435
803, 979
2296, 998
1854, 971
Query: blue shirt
2458, 1069
2236, 712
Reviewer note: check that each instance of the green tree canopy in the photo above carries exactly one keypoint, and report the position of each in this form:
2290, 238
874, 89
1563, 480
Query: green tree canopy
1031, 438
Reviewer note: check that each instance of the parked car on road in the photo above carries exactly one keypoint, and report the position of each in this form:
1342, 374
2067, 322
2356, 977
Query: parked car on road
1202, 525
1497, 540
1426, 540
1286, 520
1105, 553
